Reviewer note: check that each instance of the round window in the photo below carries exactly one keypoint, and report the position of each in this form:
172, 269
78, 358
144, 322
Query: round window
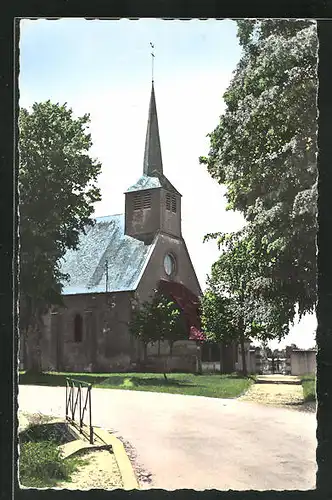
169, 264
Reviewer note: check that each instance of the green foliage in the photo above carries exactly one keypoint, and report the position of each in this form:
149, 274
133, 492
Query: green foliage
216, 316
264, 152
57, 184
57, 188
41, 464
309, 387
234, 301
158, 320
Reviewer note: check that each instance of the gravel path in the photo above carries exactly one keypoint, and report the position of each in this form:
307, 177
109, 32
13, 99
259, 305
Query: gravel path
285, 395
274, 394
101, 472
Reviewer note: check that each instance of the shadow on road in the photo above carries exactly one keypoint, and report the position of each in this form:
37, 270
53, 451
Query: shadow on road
57, 380
137, 381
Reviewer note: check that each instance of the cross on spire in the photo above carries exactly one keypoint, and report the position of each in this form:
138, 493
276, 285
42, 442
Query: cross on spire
152, 59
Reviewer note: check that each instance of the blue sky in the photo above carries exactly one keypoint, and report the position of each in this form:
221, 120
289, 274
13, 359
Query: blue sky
103, 67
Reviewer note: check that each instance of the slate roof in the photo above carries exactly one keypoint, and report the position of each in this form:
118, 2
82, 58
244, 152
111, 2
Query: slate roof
127, 258
153, 181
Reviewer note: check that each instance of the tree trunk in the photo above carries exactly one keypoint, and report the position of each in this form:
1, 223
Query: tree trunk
221, 360
199, 359
170, 348
33, 361
243, 355
165, 368
31, 324
23, 350
159, 348
145, 353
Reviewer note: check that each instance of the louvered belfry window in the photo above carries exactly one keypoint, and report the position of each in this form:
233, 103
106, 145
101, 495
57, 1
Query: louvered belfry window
173, 204
142, 200
137, 201
147, 200
168, 201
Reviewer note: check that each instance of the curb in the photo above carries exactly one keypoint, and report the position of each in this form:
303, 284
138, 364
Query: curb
126, 470
108, 441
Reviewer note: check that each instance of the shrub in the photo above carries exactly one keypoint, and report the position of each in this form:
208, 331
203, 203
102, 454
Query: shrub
309, 387
56, 432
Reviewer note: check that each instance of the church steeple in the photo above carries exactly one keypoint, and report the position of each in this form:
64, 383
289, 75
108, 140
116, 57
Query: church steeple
153, 164
153, 205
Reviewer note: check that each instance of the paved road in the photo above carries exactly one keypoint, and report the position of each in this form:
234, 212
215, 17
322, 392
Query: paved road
201, 443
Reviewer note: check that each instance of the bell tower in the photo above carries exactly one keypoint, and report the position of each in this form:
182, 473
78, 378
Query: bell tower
152, 204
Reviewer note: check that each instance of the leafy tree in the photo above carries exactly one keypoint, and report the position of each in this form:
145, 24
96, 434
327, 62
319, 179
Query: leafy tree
158, 320
57, 189
216, 318
232, 310
264, 151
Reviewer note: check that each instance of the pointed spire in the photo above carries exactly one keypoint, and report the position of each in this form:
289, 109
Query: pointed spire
152, 154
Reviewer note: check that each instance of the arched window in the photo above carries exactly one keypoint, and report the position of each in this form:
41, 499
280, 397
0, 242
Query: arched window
78, 328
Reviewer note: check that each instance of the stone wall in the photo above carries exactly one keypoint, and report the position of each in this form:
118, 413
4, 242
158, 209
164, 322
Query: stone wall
106, 344
250, 358
166, 363
211, 366
302, 362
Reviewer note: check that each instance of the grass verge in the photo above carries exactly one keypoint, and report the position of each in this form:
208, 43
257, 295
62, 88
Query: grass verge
41, 465
217, 386
309, 387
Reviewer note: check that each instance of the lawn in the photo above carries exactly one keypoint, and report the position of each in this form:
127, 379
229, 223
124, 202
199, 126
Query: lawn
309, 387
215, 386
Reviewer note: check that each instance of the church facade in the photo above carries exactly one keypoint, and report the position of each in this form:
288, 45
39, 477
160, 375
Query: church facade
118, 264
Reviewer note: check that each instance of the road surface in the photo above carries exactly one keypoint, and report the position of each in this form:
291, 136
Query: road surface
200, 443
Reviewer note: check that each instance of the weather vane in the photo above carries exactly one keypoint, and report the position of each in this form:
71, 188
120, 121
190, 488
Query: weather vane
152, 54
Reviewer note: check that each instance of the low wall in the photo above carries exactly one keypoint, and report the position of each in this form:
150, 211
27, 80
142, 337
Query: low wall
166, 363
210, 366
303, 362
250, 360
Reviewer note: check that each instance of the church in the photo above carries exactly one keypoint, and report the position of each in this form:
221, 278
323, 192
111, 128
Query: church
119, 262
